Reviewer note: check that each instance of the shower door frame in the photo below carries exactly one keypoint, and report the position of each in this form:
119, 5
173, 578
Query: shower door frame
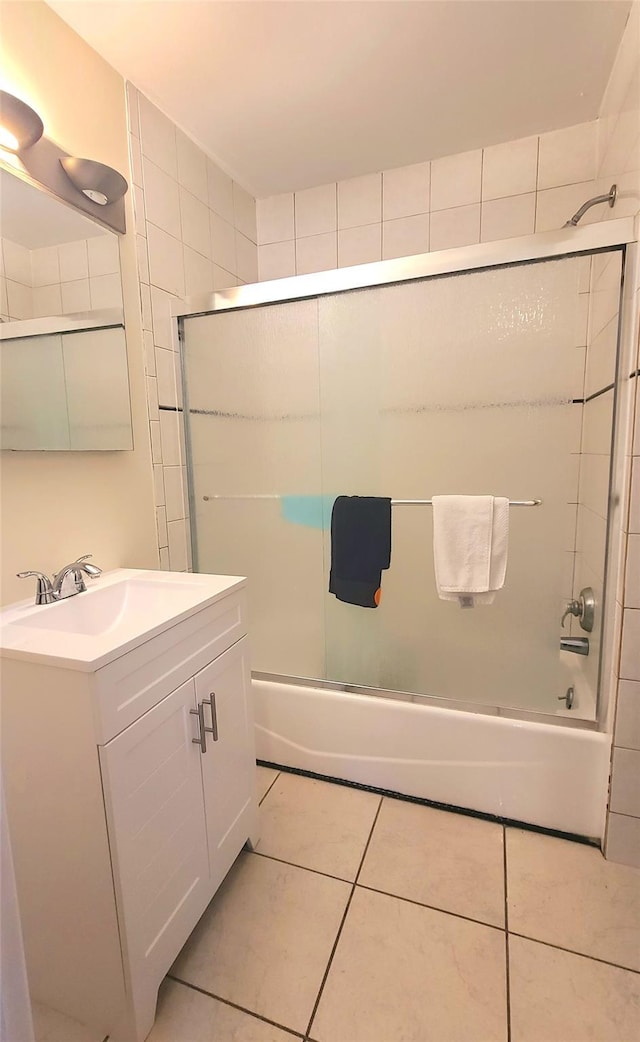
543, 246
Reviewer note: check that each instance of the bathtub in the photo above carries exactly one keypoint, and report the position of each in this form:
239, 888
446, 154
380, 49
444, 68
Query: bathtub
536, 773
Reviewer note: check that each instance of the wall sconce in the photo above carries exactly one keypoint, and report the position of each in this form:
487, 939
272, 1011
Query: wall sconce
102, 184
20, 126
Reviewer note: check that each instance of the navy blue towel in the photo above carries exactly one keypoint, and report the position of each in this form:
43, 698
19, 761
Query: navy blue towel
360, 548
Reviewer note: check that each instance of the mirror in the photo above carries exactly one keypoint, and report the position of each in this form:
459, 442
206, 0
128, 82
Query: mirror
64, 379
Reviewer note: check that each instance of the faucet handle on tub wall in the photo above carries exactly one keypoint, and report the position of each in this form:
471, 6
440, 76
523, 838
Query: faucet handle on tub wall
583, 608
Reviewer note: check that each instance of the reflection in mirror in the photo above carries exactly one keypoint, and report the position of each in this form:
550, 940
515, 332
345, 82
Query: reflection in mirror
63, 353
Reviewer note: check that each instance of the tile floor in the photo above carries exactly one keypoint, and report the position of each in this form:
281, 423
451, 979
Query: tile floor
367, 919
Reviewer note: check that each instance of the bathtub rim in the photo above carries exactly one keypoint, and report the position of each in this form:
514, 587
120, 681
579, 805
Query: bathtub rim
432, 701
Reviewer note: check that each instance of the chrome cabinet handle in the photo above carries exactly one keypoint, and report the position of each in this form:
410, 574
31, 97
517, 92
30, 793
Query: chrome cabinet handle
211, 702
201, 740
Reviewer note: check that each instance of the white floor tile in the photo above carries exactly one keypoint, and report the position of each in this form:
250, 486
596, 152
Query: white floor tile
410, 973
265, 939
567, 894
558, 996
317, 825
448, 861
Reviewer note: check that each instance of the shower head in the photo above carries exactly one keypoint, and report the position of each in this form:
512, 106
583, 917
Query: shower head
610, 198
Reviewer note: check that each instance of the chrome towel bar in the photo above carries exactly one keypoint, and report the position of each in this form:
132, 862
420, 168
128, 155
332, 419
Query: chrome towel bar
394, 502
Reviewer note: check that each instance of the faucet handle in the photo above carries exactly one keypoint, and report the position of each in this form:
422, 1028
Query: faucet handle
583, 608
573, 608
91, 569
44, 589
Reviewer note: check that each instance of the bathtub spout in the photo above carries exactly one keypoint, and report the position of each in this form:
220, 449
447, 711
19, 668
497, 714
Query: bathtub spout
577, 645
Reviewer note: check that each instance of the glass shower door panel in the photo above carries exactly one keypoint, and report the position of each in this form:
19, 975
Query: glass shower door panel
463, 385
252, 379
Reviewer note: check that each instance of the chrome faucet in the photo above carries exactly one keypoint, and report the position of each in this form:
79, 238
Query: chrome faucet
75, 569
47, 592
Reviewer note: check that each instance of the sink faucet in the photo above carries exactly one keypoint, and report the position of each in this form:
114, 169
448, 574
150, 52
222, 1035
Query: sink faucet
75, 569
47, 592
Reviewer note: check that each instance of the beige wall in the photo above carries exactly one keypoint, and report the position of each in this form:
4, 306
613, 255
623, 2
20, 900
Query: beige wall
56, 506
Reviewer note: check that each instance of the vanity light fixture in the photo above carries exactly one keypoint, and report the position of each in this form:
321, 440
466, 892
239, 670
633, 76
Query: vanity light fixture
100, 183
20, 126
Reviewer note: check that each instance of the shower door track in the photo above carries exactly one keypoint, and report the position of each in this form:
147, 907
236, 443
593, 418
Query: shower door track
565, 242
435, 701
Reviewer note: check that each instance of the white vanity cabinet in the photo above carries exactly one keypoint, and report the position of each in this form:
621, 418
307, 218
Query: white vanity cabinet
131, 792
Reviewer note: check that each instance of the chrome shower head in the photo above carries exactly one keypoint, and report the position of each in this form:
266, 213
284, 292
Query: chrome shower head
610, 198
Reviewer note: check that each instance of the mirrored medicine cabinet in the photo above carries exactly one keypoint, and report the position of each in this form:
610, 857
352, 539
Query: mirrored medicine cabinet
64, 382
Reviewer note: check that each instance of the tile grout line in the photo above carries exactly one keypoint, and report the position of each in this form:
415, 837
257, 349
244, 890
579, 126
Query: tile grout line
261, 801
506, 932
572, 951
234, 1005
377, 890
304, 868
432, 908
340, 928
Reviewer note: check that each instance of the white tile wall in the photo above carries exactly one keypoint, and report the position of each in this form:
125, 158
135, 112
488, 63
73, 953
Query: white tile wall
515, 188
16, 262
192, 168
406, 191
74, 261
278, 259
316, 253
405, 236
360, 201
275, 219
157, 134
315, 211
223, 243
567, 156
359, 245
195, 223
161, 198
45, 266
246, 258
76, 276
197, 232
457, 226
19, 300
220, 191
510, 169
507, 217
625, 791
618, 160
456, 180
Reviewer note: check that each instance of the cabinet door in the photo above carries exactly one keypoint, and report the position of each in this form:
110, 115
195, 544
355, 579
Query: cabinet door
155, 812
228, 766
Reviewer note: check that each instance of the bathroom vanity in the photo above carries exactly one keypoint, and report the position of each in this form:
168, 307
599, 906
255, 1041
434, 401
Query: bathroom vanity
129, 764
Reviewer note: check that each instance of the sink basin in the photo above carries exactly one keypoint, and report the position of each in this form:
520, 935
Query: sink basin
120, 610
109, 606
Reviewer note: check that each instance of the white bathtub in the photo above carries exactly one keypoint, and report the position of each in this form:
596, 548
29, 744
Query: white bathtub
542, 774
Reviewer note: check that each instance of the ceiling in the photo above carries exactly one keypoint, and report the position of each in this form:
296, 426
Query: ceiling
34, 218
286, 95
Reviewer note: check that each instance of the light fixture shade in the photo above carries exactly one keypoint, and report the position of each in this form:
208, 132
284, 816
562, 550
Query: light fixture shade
20, 126
102, 184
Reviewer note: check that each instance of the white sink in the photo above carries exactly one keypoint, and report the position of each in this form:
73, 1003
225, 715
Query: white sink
110, 606
120, 609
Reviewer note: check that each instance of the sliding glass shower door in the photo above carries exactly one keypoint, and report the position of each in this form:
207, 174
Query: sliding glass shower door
471, 384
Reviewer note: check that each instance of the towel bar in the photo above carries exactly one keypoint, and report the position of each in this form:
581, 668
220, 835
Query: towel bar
394, 502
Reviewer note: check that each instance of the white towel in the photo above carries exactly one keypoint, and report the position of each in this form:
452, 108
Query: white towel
470, 541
